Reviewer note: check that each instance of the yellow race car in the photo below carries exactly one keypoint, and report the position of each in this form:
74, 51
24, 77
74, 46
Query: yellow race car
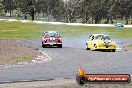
100, 42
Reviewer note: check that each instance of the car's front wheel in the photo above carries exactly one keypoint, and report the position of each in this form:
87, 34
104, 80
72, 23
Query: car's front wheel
87, 47
44, 46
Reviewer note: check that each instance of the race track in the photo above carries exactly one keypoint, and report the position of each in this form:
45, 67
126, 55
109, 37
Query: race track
64, 61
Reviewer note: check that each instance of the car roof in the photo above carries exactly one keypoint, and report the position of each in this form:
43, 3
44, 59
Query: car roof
118, 23
99, 34
51, 32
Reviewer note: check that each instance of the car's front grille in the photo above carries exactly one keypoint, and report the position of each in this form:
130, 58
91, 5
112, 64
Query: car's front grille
107, 44
51, 41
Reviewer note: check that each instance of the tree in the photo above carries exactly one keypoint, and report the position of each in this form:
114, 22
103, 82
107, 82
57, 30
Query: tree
1, 7
71, 10
122, 8
8, 6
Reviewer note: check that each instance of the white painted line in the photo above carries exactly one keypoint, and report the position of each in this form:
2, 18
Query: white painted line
12, 20
3, 19
45, 55
61, 23
25, 21
39, 22
11, 65
40, 59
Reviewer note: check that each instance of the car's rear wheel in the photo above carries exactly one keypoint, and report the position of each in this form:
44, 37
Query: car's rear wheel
95, 47
59, 46
113, 50
44, 46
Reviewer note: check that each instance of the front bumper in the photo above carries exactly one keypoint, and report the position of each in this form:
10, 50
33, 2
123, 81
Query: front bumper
52, 44
106, 48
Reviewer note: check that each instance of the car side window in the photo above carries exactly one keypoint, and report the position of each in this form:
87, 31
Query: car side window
43, 34
90, 38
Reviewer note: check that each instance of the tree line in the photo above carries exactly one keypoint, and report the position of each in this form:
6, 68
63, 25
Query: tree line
86, 11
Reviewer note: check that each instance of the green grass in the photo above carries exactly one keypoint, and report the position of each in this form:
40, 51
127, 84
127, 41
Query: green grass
32, 30
16, 59
118, 21
130, 45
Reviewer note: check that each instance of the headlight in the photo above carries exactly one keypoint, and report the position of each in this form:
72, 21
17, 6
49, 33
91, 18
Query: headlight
112, 43
101, 43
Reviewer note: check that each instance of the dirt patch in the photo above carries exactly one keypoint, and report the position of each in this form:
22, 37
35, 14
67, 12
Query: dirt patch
11, 52
127, 47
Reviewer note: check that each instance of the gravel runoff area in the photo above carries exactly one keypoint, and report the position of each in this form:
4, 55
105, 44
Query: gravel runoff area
13, 53
67, 83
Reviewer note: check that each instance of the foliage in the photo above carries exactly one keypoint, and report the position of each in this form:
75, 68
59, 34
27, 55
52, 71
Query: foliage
88, 11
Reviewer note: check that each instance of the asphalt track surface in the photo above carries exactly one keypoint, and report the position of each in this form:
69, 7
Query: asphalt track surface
65, 61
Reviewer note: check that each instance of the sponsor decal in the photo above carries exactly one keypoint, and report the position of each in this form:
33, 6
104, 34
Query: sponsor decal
50, 38
83, 78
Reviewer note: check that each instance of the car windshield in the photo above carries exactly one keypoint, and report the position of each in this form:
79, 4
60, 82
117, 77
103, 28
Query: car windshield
51, 33
99, 37
105, 38
102, 37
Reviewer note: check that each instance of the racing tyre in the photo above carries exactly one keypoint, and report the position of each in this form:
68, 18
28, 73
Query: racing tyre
95, 46
113, 50
60, 46
44, 46
87, 47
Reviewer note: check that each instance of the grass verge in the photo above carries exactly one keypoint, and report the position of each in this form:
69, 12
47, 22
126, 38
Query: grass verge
33, 30
130, 46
